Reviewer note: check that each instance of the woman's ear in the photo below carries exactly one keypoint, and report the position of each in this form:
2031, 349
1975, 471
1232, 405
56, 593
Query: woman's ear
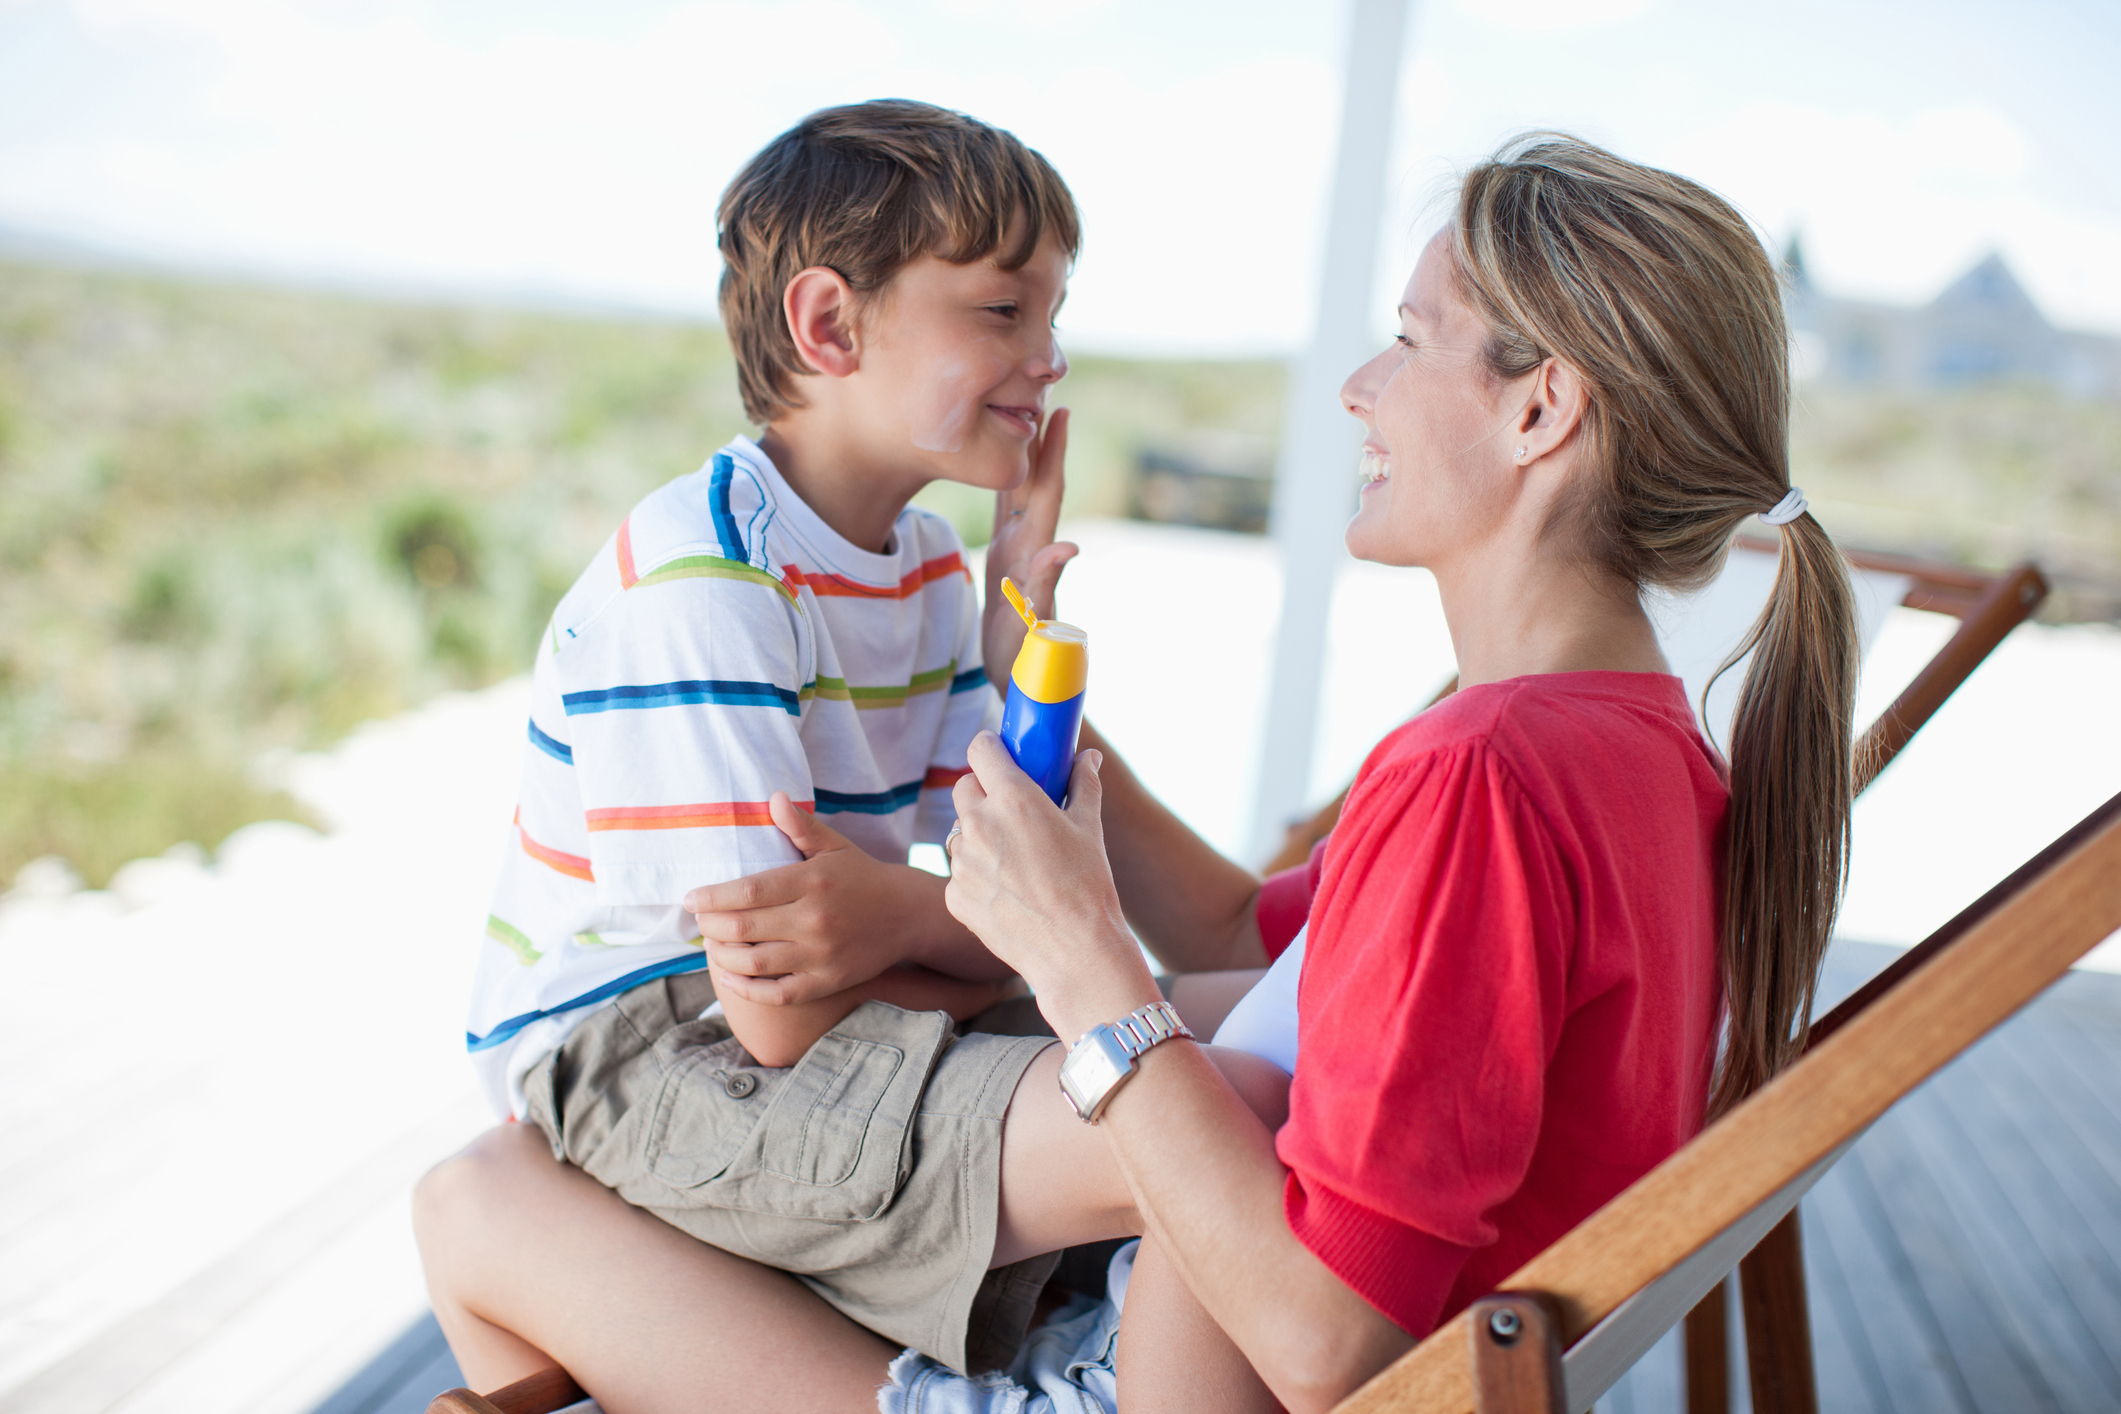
1554, 408
819, 306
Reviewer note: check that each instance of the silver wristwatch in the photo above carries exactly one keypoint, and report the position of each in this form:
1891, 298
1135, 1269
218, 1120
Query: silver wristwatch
1106, 1055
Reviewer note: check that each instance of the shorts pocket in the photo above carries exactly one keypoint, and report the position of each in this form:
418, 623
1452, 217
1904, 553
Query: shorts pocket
821, 1120
835, 1140
702, 1120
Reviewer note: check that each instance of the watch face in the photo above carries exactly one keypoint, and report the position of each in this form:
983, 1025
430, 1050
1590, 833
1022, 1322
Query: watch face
1092, 1069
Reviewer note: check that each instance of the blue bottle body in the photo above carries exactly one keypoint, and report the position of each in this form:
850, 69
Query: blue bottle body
1041, 736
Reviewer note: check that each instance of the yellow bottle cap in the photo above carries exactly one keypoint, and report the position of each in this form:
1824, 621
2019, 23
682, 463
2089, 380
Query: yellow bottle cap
1054, 663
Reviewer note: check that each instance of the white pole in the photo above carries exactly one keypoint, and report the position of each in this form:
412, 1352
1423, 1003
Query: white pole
1314, 479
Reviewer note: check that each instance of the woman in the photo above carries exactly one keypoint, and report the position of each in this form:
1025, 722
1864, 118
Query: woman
1542, 900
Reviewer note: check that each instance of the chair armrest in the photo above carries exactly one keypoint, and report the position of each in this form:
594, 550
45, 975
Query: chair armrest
541, 1393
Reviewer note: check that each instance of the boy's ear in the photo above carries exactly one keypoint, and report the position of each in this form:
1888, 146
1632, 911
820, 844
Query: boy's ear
819, 305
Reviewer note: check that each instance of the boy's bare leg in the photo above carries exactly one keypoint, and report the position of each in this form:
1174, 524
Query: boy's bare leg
1172, 1356
645, 1318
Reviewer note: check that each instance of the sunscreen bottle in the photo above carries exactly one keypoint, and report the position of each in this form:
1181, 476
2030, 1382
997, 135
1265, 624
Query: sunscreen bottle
1044, 708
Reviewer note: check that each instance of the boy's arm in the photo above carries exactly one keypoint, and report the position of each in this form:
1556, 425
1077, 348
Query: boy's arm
804, 932
780, 1035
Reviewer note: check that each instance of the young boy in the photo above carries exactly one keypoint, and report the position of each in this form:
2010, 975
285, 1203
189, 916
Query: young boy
777, 633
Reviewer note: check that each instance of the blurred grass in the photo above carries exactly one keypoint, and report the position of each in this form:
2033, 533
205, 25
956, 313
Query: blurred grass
236, 518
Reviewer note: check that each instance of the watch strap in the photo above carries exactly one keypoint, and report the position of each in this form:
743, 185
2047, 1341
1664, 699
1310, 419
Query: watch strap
1106, 1056
1145, 1026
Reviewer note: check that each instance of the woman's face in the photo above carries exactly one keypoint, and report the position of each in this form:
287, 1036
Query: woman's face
1436, 475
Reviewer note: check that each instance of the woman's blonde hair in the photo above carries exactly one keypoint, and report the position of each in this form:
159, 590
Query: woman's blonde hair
1661, 297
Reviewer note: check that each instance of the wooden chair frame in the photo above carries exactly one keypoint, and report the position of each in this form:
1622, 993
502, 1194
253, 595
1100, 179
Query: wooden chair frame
1582, 1312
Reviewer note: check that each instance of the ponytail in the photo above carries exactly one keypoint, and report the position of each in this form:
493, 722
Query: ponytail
1787, 830
1656, 292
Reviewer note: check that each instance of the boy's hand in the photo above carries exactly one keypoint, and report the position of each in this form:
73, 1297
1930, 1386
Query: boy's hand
837, 919
1023, 548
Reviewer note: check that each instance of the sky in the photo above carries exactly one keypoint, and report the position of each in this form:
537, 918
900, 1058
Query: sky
575, 151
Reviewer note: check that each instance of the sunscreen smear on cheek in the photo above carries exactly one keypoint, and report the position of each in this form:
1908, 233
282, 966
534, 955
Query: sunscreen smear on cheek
945, 424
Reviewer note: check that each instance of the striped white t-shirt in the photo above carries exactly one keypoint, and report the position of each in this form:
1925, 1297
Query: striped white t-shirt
725, 643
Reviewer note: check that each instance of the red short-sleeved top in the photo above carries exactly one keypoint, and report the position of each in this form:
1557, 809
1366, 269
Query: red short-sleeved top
1509, 999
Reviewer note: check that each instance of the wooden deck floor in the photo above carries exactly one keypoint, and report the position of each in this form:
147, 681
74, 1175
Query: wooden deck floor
1964, 1259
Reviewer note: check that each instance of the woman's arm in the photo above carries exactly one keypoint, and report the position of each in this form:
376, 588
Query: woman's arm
1193, 908
1201, 1165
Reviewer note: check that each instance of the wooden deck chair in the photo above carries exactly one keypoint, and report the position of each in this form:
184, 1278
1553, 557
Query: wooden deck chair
1575, 1318
1698, 633
1572, 1320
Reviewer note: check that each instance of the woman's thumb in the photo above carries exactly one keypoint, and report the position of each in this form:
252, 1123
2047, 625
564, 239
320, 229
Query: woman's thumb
1085, 791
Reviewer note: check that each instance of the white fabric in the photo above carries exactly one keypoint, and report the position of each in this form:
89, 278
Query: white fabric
724, 644
1264, 1019
1698, 631
1064, 1367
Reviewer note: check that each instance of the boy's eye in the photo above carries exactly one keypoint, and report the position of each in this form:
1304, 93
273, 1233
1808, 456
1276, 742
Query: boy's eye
1007, 309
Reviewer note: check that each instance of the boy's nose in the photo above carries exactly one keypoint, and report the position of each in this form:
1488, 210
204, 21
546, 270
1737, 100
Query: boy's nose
1052, 365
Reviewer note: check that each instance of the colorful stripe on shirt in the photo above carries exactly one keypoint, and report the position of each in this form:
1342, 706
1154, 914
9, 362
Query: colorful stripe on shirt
874, 802
713, 567
574, 866
720, 692
967, 680
725, 531
627, 577
558, 750
685, 817
830, 585
508, 1028
866, 698
944, 777
513, 939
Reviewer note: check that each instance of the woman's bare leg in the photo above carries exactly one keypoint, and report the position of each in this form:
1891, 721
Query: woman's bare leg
532, 1263
1060, 1184
1172, 1356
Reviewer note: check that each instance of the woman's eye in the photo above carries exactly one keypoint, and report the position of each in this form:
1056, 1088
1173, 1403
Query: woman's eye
1403, 341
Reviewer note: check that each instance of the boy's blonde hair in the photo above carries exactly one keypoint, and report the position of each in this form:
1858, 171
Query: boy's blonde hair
864, 189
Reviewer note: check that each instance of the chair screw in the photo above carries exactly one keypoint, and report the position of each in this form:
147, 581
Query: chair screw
1504, 1326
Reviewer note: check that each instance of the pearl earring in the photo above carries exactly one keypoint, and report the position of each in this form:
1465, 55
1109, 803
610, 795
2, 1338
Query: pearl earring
1521, 452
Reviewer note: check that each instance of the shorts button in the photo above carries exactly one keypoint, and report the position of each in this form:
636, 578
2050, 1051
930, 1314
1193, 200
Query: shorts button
741, 1083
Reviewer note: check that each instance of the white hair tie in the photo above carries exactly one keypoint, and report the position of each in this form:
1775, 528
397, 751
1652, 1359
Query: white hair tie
1787, 509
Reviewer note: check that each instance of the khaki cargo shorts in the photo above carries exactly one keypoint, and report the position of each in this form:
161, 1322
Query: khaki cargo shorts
871, 1169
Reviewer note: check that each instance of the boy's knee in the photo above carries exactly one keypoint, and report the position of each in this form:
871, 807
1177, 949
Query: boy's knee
1260, 1083
471, 1182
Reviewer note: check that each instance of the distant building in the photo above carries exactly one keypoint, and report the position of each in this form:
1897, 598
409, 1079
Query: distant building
1982, 328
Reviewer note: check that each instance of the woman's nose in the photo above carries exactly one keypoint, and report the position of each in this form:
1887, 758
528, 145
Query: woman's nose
1359, 394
